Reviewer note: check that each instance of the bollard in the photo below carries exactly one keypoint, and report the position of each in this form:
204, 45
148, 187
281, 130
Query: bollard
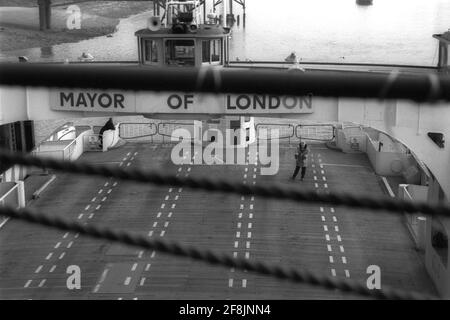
421, 232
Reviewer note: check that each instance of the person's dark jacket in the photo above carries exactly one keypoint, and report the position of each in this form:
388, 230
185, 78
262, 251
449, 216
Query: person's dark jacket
109, 125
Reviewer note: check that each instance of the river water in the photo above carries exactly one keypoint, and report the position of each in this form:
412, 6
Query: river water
389, 31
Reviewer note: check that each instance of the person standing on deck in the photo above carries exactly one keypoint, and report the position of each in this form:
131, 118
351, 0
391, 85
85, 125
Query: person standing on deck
301, 160
109, 125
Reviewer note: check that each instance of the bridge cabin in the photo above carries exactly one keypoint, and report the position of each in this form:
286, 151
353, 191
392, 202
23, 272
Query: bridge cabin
181, 41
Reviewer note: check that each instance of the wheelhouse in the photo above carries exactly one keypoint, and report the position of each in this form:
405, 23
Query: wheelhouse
192, 47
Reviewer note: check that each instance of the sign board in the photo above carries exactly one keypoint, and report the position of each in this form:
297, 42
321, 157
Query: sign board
164, 102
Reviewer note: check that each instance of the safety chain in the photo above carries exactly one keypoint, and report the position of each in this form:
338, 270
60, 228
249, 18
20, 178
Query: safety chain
296, 276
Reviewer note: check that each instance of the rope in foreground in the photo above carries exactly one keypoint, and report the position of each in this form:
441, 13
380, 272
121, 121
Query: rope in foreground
293, 275
272, 192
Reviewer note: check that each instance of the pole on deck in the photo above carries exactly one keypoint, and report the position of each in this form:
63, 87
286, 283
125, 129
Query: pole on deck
45, 14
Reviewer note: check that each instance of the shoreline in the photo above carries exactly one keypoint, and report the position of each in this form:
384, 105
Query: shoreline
19, 26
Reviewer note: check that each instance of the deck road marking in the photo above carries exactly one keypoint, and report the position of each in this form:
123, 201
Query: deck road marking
150, 233
159, 214
333, 272
244, 283
230, 283
339, 238
249, 235
155, 224
163, 206
80, 216
334, 219
53, 268
347, 273
329, 247
133, 268
127, 281
247, 255
87, 207
235, 254
49, 256
147, 267
166, 224
238, 234
57, 245
153, 254
336, 228
104, 199
98, 207
341, 248
239, 225
250, 215
247, 244
325, 228
142, 281
166, 198
38, 269
100, 191
323, 218
27, 284
331, 259
236, 244
41, 284
93, 199
162, 233
249, 225
106, 184
169, 215
327, 237
65, 235
173, 206
321, 209
344, 260
70, 244
62, 255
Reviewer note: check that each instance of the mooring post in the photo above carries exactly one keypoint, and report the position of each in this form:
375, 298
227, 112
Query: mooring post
45, 14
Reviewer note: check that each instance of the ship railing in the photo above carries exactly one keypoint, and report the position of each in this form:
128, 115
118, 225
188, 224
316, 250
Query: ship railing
12, 194
286, 131
416, 222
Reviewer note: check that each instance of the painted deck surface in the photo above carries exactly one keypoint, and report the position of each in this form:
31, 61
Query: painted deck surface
335, 241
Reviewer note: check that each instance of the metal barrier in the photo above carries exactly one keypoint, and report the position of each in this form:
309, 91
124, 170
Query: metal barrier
289, 128
172, 126
313, 131
126, 131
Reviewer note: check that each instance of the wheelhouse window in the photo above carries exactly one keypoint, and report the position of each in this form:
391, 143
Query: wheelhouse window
150, 51
180, 52
211, 51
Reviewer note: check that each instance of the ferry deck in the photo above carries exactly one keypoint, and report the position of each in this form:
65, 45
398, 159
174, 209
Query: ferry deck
335, 241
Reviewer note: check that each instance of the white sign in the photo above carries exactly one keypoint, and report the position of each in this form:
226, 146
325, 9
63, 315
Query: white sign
192, 103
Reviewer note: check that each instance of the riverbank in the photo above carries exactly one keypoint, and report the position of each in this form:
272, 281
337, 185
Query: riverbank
19, 25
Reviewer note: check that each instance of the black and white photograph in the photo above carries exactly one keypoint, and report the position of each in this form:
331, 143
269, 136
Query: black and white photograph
224, 156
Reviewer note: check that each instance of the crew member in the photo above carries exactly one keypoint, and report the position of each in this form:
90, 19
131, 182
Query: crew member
109, 125
301, 160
